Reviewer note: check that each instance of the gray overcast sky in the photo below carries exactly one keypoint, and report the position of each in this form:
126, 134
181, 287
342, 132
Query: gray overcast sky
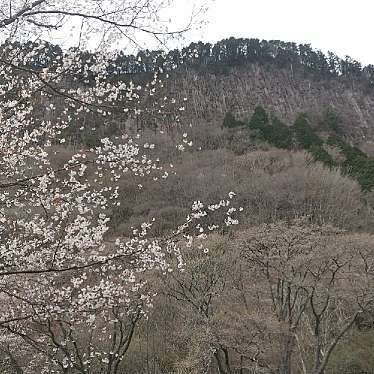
345, 27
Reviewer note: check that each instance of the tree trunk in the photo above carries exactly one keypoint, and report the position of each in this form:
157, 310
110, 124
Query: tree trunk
221, 356
318, 355
285, 366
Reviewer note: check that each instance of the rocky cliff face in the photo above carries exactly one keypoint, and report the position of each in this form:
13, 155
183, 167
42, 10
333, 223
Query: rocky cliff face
281, 91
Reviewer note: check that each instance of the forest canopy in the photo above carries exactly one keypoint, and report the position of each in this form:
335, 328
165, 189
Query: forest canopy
229, 52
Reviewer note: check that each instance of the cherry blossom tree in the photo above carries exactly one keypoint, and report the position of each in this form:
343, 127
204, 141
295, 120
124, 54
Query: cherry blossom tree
64, 281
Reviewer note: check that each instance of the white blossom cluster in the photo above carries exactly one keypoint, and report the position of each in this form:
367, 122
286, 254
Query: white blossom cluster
59, 265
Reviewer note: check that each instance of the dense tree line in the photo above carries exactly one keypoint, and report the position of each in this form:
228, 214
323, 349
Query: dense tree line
227, 53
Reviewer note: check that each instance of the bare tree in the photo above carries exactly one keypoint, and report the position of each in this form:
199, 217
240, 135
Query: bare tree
301, 275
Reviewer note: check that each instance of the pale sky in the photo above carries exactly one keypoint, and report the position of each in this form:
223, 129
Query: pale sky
345, 27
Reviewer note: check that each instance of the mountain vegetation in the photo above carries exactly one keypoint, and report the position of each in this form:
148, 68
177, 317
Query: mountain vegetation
185, 212
302, 136
225, 53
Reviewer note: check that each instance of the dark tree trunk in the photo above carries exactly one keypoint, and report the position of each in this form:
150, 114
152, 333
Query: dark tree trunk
285, 366
222, 358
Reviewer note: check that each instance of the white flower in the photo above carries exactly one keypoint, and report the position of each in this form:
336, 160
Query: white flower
232, 194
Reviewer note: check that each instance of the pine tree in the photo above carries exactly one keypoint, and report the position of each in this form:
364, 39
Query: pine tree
260, 119
304, 134
279, 135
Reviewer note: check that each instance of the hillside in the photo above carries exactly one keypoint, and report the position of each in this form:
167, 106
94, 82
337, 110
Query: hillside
239, 74
283, 91
208, 210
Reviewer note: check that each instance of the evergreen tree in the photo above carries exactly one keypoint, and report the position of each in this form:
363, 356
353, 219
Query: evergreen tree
321, 155
304, 134
365, 169
259, 119
331, 121
278, 134
356, 164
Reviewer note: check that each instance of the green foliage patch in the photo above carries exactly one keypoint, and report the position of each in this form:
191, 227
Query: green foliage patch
301, 135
